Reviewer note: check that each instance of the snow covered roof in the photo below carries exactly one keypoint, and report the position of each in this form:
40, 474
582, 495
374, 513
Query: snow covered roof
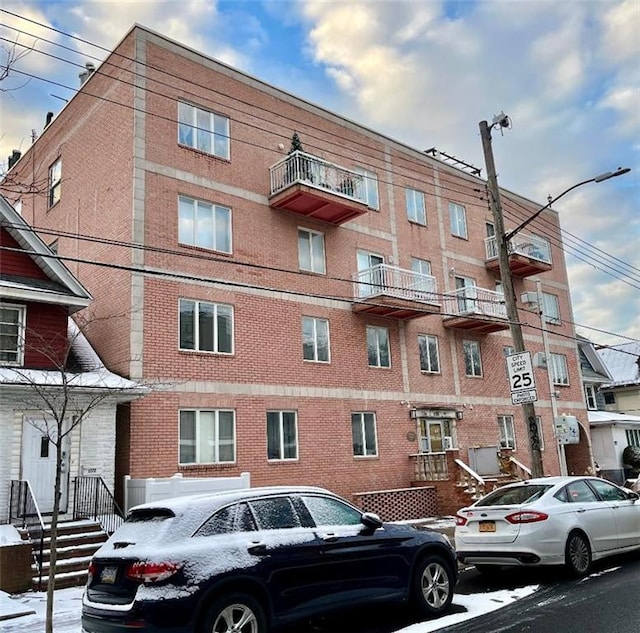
623, 363
88, 372
602, 418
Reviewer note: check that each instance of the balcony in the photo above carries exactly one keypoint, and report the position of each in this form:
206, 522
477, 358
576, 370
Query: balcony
476, 310
388, 291
528, 255
314, 188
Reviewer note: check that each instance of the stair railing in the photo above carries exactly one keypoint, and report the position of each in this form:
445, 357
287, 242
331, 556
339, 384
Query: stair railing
24, 513
92, 499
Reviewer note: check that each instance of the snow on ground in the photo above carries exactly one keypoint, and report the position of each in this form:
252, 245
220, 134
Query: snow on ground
68, 604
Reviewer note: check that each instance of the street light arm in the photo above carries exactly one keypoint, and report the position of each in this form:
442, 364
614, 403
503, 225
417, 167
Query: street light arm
600, 178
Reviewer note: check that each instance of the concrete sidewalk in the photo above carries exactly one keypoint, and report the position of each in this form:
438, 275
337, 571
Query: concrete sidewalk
13, 607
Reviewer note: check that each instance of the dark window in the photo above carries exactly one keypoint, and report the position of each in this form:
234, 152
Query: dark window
609, 397
275, 514
222, 522
607, 491
325, 511
514, 496
580, 492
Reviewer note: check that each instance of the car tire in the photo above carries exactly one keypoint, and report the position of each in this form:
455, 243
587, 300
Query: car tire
432, 587
577, 554
235, 613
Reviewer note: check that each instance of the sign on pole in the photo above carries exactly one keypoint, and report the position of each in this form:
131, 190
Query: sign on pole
521, 379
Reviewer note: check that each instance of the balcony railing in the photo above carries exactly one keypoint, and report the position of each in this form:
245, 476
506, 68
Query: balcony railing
476, 301
528, 254
313, 187
395, 292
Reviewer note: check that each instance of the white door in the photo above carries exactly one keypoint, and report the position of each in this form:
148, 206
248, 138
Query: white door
371, 274
39, 462
467, 294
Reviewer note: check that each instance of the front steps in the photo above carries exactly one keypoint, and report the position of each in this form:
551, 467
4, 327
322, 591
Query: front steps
76, 543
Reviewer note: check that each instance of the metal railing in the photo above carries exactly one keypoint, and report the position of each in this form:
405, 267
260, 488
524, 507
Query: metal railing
474, 300
430, 467
299, 167
92, 499
529, 245
387, 280
24, 513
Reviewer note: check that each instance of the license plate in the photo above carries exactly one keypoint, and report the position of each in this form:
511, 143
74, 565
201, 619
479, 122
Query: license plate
487, 526
108, 574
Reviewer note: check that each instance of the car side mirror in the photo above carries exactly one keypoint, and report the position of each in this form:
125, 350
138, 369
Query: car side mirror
634, 496
371, 520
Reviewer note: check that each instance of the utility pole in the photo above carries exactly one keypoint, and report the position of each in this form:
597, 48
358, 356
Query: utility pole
528, 409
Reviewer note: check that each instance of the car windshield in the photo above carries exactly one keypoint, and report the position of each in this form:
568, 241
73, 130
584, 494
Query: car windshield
517, 495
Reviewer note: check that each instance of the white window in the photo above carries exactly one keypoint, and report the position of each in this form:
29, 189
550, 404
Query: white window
421, 266
17, 205
429, 358
55, 182
378, 346
458, 219
282, 435
559, 369
466, 295
206, 327
207, 437
472, 360
311, 251
363, 428
507, 435
416, 211
633, 437
203, 130
590, 397
370, 188
371, 273
550, 308
204, 224
315, 339
12, 325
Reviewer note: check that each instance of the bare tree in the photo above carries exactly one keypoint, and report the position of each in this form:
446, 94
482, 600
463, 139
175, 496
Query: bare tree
60, 399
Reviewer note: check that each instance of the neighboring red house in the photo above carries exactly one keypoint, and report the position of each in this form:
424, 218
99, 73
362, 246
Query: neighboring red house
330, 316
40, 348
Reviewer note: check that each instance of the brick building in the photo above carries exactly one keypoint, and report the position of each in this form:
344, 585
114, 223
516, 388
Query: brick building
330, 315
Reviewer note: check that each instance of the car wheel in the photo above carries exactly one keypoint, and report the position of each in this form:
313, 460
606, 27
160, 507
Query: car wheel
235, 613
578, 554
433, 584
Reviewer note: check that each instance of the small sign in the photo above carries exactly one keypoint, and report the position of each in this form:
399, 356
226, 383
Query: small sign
520, 372
567, 429
522, 397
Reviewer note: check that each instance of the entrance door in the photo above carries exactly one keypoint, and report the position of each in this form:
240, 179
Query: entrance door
39, 462
370, 277
467, 294
431, 436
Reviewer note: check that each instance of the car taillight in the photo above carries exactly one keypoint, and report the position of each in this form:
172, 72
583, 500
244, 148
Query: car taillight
147, 572
527, 516
460, 520
91, 572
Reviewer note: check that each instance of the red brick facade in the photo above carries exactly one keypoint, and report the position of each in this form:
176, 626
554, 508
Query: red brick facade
122, 172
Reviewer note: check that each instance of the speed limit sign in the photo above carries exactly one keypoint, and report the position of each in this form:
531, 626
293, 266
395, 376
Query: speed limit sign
521, 379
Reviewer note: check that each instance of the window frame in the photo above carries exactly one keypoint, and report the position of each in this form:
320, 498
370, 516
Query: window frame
370, 184
311, 240
633, 437
474, 345
198, 432
315, 321
377, 330
551, 308
361, 418
194, 129
415, 203
19, 335
281, 448
54, 191
507, 432
198, 218
215, 335
427, 347
559, 365
418, 265
590, 397
458, 220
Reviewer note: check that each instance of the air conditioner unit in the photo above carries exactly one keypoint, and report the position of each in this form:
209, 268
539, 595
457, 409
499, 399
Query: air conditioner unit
540, 360
447, 442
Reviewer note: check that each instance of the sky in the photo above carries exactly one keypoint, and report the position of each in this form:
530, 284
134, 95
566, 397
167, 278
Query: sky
425, 72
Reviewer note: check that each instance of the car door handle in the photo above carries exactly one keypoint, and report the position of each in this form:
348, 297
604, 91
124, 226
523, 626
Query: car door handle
329, 537
581, 510
257, 548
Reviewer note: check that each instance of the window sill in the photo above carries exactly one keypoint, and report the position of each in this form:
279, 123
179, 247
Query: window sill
222, 159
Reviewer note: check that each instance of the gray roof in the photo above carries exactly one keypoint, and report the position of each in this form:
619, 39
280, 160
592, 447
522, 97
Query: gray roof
623, 363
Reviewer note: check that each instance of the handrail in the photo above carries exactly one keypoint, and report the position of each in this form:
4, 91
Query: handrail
92, 499
470, 471
520, 465
24, 513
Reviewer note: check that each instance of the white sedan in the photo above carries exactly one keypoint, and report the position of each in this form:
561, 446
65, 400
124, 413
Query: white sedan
568, 521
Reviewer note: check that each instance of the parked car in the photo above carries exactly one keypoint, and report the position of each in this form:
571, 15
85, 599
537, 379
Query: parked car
568, 521
247, 560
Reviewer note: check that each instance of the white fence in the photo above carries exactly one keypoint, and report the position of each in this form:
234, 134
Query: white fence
137, 491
